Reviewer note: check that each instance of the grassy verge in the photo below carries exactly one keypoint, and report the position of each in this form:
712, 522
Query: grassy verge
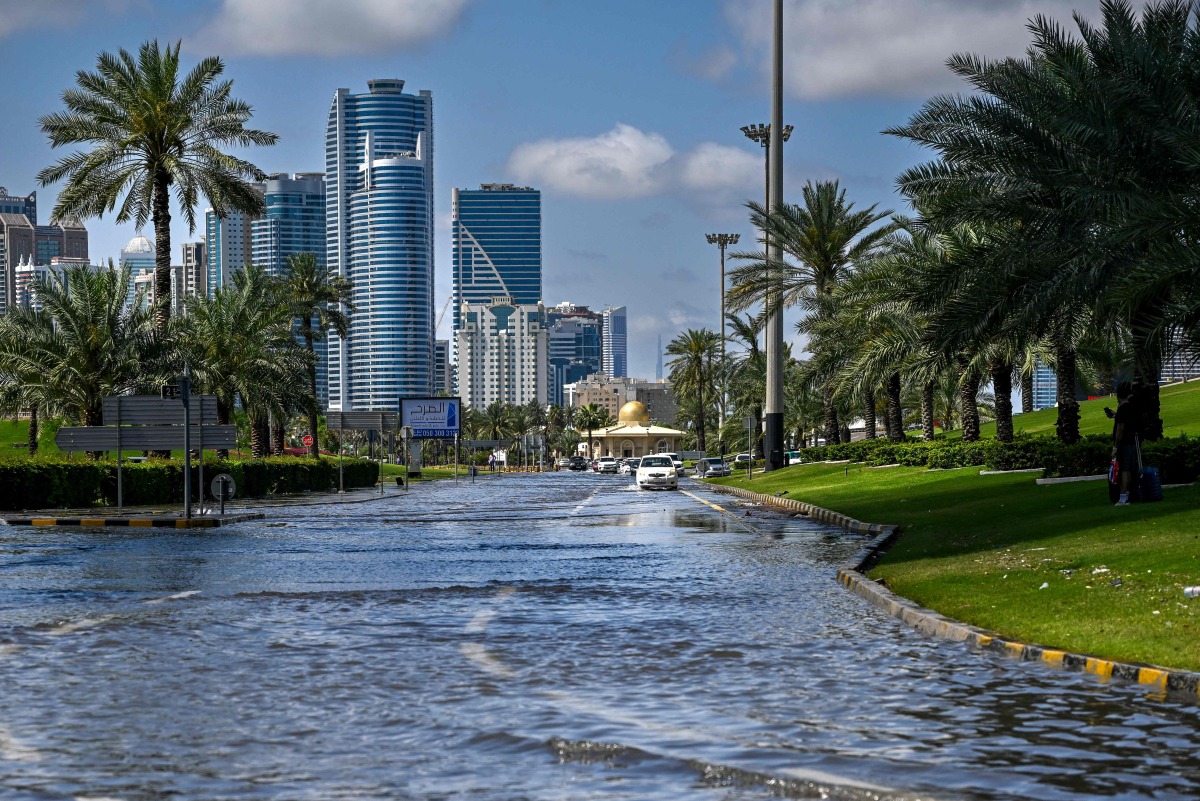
390, 471
980, 548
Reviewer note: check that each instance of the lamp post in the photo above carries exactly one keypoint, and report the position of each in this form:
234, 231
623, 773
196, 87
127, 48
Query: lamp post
762, 134
722, 241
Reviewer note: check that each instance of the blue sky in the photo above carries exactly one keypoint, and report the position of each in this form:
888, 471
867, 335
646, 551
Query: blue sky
625, 113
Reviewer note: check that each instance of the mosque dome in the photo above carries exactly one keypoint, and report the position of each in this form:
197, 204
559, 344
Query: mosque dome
139, 244
634, 412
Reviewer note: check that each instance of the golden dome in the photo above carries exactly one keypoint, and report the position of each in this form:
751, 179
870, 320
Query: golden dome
634, 412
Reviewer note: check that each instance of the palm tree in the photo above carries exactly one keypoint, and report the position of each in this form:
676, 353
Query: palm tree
497, 420
318, 296
241, 348
152, 132
24, 334
590, 418
693, 374
821, 241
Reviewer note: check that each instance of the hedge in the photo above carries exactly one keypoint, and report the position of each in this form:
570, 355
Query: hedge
45, 483
1177, 459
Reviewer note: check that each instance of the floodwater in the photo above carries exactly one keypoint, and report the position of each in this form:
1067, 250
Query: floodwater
561, 636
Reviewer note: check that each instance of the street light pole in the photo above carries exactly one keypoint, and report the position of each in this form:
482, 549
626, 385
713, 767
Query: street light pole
722, 241
774, 328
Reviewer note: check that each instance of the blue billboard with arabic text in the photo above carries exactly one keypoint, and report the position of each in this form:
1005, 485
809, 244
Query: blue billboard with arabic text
431, 418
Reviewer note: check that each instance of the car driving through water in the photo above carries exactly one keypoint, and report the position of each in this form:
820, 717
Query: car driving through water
657, 472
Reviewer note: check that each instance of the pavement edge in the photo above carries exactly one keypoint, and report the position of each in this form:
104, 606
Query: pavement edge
853, 577
134, 522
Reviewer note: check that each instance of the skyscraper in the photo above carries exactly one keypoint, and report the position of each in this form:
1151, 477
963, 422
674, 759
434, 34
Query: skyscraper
379, 234
19, 205
227, 245
294, 221
574, 347
502, 353
195, 272
497, 245
615, 342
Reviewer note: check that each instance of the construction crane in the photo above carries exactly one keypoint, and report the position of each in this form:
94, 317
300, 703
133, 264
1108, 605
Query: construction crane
441, 316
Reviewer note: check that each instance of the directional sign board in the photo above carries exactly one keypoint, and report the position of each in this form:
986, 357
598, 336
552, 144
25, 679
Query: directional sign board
360, 421
170, 392
147, 410
431, 418
143, 438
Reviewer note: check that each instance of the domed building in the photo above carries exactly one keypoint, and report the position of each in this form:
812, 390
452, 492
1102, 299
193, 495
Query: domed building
634, 435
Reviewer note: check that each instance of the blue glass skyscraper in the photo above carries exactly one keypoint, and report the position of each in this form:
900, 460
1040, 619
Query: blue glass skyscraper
294, 222
379, 234
497, 245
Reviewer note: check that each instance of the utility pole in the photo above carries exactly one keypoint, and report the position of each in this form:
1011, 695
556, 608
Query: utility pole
774, 327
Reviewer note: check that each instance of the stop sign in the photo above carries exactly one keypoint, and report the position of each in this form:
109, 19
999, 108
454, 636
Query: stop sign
308, 440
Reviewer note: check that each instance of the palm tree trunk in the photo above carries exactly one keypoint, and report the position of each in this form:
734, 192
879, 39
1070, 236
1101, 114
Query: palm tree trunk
1002, 388
895, 411
223, 420
927, 411
1067, 425
1147, 365
756, 450
869, 413
258, 439
278, 442
161, 216
968, 392
700, 415
32, 440
833, 433
314, 408
1026, 392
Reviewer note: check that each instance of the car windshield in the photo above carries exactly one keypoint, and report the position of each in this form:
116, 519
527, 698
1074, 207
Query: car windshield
656, 461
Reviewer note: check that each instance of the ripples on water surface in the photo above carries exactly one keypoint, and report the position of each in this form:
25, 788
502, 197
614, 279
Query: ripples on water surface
531, 637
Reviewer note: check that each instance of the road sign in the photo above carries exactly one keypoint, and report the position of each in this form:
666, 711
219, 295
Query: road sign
307, 440
147, 410
223, 487
431, 418
170, 392
481, 443
143, 438
360, 421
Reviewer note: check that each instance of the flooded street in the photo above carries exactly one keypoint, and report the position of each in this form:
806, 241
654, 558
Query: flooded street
561, 636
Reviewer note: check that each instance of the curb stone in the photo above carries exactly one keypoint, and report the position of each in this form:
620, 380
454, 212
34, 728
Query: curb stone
133, 522
853, 577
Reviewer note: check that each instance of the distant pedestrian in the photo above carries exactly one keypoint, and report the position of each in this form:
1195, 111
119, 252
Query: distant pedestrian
1125, 441
492, 463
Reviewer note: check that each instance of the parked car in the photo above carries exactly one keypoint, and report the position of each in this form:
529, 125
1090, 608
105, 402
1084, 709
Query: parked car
657, 471
742, 458
792, 457
579, 463
564, 461
712, 467
675, 460
607, 464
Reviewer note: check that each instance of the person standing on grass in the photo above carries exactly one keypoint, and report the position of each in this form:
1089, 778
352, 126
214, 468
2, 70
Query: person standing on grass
1125, 432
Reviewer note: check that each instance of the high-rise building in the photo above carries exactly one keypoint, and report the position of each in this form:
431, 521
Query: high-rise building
1045, 386
501, 353
379, 234
16, 247
294, 221
443, 375
227, 245
497, 244
615, 342
574, 349
67, 239
195, 272
19, 205
24, 242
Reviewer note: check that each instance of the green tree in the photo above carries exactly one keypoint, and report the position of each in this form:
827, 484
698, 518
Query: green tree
589, 418
317, 298
151, 133
694, 366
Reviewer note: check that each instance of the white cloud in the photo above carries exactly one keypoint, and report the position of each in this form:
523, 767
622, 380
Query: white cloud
627, 163
16, 15
895, 48
623, 163
320, 27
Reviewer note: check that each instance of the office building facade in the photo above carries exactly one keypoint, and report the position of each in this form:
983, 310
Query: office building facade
613, 393
23, 242
10, 204
195, 272
379, 234
615, 342
228, 245
502, 348
294, 221
574, 347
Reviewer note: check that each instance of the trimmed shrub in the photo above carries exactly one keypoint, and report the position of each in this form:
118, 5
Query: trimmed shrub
56, 483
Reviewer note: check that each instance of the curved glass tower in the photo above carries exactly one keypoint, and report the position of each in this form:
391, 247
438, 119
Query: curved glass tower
379, 226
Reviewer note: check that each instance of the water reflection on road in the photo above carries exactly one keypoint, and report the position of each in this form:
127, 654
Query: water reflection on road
530, 637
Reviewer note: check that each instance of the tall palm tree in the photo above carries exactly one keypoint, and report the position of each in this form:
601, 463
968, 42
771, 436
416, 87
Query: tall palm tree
318, 296
821, 241
497, 417
151, 132
589, 418
25, 335
697, 354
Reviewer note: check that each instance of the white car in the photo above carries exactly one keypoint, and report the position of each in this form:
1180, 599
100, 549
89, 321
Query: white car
628, 466
675, 460
657, 471
712, 467
606, 464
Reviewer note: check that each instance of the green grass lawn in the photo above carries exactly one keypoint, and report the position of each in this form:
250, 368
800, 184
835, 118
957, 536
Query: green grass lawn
1180, 414
979, 548
16, 432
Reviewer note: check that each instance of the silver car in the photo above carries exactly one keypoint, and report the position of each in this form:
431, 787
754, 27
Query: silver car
712, 467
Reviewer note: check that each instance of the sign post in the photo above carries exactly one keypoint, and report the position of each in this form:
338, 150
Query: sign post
431, 418
749, 421
185, 389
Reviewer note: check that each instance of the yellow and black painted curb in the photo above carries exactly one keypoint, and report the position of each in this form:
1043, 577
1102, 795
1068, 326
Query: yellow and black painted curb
134, 522
929, 622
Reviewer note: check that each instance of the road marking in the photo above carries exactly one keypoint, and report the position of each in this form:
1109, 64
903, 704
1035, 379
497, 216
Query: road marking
78, 625
585, 502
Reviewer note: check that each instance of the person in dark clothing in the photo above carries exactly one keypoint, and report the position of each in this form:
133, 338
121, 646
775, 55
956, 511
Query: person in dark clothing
1125, 433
